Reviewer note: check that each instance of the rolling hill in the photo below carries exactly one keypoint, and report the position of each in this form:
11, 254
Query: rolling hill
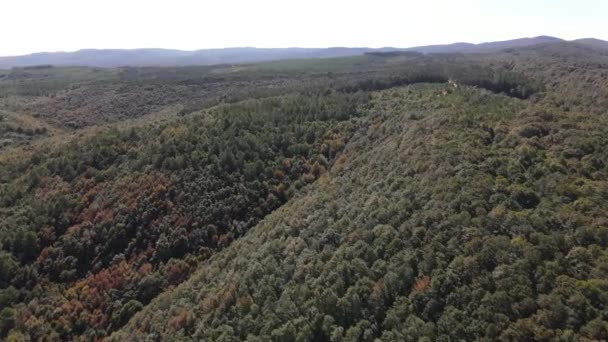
378, 197
485, 47
451, 214
166, 57
597, 43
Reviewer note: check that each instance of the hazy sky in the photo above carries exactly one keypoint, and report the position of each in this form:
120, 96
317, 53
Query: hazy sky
65, 25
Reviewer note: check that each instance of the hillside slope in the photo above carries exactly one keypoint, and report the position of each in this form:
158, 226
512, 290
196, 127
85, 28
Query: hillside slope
394, 196
146, 172
598, 43
452, 214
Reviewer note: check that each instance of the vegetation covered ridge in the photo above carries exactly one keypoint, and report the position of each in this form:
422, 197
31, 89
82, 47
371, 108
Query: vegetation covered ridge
99, 227
471, 187
452, 214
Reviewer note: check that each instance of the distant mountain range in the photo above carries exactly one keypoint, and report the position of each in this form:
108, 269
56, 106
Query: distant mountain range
485, 47
167, 57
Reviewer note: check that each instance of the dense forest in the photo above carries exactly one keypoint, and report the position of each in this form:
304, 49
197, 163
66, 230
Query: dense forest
383, 197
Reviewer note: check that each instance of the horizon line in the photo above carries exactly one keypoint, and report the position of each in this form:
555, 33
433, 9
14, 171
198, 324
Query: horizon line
280, 48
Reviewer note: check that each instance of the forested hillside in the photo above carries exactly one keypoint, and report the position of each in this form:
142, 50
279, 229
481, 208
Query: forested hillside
390, 197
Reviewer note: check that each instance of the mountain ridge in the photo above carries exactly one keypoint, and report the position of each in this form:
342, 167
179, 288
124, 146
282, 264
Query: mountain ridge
463, 47
109, 58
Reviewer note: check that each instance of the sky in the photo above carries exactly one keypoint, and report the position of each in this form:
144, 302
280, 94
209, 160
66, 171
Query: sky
28, 26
